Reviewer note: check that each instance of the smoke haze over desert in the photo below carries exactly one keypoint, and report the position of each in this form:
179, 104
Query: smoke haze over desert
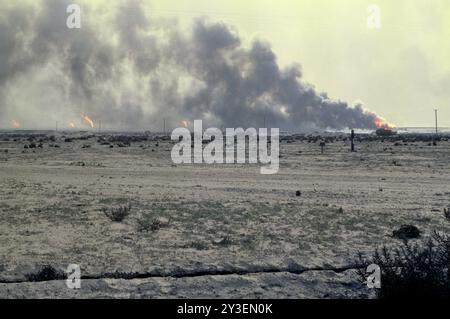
148, 70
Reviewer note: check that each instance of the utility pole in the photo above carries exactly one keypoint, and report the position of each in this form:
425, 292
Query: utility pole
435, 138
164, 126
352, 138
436, 119
56, 126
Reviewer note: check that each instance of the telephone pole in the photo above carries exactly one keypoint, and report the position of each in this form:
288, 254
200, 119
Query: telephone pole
436, 119
352, 141
435, 138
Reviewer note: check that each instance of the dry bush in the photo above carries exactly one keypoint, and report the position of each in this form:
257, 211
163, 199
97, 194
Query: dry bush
152, 225
447, 213
412, 270
118, 214
45, 273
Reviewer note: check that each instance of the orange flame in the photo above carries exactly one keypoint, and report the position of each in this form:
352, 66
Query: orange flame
15, 124
72, 124
88, 120
382, 123
184, 123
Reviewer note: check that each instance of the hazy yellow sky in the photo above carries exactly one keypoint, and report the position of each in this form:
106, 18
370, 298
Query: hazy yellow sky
401, 71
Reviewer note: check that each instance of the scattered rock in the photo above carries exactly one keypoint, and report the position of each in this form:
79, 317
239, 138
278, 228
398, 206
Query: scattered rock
298, 193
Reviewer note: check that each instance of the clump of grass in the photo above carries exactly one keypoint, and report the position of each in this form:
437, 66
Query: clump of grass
197, 245
225, 241
45, 273
412, 270
152, 225
118, 214
85, 164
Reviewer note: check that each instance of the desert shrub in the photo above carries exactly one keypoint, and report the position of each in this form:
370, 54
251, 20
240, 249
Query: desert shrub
45, 273
225, 241
148, 225
447, 213
118, 214
406, 232
420, 270
196, 245
152, 225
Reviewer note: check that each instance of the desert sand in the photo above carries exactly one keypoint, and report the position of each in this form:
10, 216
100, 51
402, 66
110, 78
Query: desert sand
209, 230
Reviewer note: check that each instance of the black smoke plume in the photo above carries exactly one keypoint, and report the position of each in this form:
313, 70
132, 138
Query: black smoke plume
132, 71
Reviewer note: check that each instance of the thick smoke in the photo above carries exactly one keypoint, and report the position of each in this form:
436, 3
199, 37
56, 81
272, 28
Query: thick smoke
132, 71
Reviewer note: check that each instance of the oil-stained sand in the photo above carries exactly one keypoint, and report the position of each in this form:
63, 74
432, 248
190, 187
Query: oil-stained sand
208, 230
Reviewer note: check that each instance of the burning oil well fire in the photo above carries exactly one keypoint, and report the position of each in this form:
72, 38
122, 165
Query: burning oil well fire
15, 124
383, 127
87, 120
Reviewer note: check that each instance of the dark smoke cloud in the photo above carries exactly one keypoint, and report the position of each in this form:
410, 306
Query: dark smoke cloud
135, 71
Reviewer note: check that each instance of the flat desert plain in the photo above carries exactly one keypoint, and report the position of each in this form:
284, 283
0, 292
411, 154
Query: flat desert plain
210, 231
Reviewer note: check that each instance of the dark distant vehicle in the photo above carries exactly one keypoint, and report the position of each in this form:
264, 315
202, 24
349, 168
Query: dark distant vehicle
385, 132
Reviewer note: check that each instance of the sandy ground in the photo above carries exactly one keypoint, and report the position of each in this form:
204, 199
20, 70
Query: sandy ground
208, 230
